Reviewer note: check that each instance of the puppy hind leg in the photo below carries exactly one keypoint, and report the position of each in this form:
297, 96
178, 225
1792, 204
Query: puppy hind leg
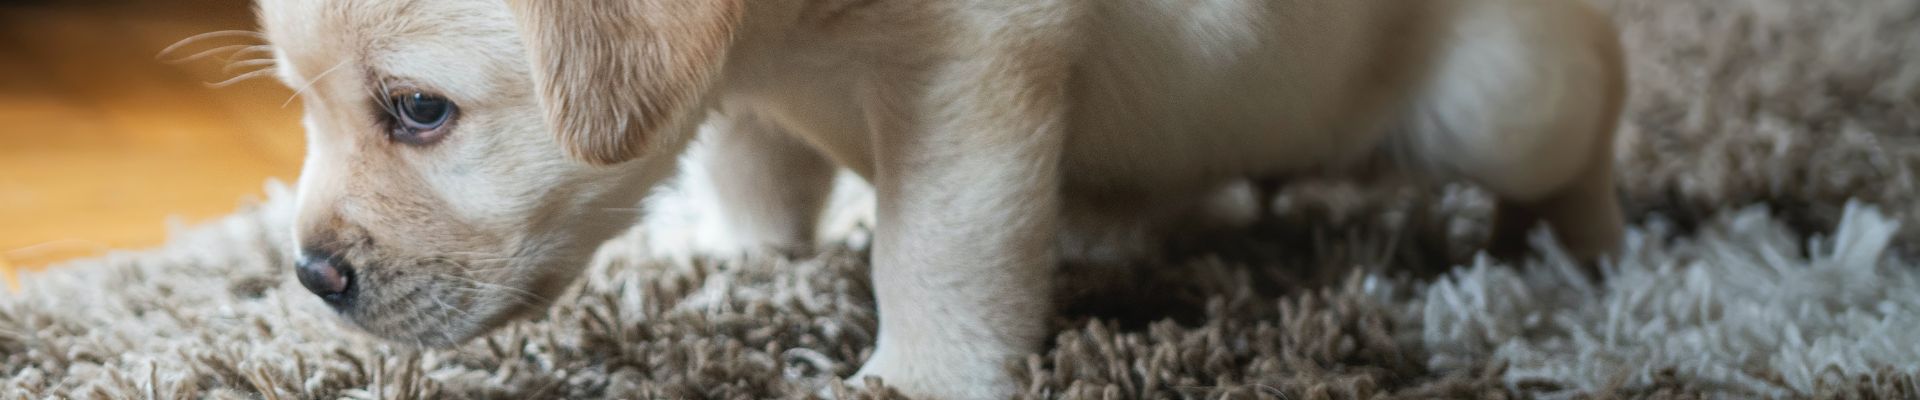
771, 187
1533, 184
1525, 104
1512, 221
1584, 217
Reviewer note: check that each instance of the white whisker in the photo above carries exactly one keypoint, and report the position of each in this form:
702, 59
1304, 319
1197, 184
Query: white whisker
236, 79
310, 82
443, 304
478, 285
235, 48
240, 65
265, 51
191, 40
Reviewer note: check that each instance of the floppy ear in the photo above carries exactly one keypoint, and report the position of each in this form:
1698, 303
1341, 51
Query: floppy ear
610, 73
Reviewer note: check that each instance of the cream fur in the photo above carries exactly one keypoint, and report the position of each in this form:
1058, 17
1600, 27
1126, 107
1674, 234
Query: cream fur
988, 130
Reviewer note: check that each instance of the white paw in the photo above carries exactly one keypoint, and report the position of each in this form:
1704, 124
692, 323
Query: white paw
920, 376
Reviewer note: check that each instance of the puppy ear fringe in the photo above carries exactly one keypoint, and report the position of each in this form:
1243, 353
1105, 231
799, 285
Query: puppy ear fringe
610, 74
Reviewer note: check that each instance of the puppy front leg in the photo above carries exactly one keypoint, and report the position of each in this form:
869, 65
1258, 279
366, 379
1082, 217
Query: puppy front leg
770, 186
963, 250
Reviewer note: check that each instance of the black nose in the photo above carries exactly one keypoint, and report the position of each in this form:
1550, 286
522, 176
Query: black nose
325, 275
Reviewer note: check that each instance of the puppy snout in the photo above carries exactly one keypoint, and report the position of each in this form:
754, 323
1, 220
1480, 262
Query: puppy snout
326, 275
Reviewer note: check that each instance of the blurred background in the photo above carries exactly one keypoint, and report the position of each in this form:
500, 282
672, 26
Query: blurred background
102, 143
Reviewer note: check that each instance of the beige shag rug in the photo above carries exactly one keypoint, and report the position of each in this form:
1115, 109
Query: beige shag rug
1748, 274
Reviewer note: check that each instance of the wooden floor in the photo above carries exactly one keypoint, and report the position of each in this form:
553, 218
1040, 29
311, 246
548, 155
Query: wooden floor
100, 143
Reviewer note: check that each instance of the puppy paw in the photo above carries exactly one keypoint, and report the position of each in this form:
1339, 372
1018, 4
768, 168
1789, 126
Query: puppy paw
859, 387
890, 373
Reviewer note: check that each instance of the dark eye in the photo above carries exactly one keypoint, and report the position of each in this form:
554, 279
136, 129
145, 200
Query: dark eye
420, 116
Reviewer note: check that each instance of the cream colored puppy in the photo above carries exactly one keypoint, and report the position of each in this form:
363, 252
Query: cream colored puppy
467, 156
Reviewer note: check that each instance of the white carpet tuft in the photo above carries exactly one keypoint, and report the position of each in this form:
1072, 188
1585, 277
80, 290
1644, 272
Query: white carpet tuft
1739, 307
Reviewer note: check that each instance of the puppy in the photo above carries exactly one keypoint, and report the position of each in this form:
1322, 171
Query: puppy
467, 156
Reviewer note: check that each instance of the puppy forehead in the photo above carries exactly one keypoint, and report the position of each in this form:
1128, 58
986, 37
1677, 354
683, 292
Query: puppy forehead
465, 48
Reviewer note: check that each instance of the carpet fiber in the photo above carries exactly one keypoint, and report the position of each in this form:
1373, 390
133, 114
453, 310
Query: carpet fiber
1749, 273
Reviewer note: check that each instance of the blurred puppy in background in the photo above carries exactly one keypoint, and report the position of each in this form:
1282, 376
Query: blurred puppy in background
466, 157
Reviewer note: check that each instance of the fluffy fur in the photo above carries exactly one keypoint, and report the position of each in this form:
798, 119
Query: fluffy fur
979, 125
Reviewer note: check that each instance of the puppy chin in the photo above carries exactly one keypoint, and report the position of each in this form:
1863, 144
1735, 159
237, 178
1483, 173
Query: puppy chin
454, 305
429, 318
439, 334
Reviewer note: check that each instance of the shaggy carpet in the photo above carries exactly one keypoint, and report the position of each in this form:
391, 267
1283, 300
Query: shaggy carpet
1748, 273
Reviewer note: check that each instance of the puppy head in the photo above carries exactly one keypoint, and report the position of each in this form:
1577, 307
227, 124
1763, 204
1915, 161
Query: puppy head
465, 157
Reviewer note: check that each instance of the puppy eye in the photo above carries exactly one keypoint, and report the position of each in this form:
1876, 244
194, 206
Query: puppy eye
420, 116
